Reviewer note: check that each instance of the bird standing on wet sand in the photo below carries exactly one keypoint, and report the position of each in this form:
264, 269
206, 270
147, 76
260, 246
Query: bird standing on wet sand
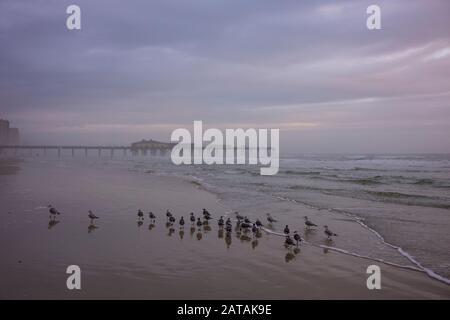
308, 223
220, 222
228, 222
140, 214
171, 219
288, 241
192, 217
247, 220
206, 212
91, 215
328, 233
254, 229
286, 230
151, 215
181, 222
258, 223
53, 211
168, 214
199, 222
238, 216
297, 237
270, 219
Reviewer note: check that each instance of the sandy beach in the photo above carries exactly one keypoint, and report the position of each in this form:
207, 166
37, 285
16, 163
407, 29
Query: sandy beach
122, 258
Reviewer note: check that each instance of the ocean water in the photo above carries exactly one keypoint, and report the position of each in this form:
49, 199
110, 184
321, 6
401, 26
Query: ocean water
391, 208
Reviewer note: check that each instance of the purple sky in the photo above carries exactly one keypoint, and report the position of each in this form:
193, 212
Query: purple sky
139, 69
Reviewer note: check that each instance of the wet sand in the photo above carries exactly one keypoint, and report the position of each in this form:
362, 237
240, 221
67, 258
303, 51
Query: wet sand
121, 258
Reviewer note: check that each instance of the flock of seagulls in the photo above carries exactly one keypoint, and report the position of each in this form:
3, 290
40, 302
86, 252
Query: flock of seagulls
243, 223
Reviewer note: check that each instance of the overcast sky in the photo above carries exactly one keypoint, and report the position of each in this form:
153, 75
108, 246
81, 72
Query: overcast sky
139, 69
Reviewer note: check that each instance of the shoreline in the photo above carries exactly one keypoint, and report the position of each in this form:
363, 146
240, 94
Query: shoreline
327, 274
417, 266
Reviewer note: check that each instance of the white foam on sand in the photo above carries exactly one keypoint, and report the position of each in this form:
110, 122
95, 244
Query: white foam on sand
408, 256
418, 266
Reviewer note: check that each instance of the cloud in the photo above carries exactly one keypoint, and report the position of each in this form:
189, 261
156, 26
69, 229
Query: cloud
141, 65
439, 54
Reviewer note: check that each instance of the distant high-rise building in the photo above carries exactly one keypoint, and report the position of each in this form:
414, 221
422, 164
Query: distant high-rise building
13, 137
4, 131
8, 136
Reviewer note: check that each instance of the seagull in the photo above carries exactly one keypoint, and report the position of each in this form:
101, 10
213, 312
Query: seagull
245, 225
309, 223
289, 241
238, 216
192, 217
182, 222
258, 223
228, 228
247, 220
254, 229
270, 219
328, 233
91, 215
140, 214
172, 219
168, 214
206, 213
220, 223
199, 222
286, 230
228, 222
297, 237
151, 216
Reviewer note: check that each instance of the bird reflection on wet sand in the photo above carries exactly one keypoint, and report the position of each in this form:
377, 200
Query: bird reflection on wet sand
245, 238
92, 227
309, 232
244, 230
289, 257
52, 223
291, 254
228, 240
